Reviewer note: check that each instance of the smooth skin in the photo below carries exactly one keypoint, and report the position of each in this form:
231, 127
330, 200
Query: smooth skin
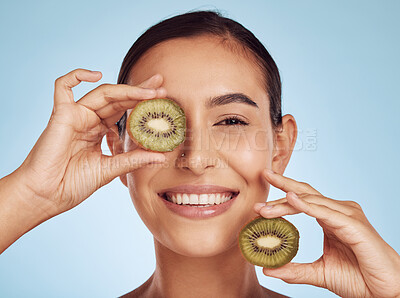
66, 166
215, 266
201, 257
356, 261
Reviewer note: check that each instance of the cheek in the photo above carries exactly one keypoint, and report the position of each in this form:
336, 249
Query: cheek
141, 195
136, 182
246, 151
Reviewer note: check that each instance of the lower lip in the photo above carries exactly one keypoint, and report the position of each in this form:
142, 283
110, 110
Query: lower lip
199, 212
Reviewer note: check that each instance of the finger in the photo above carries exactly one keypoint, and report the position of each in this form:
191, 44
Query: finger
109, 93
154, 81
64, 84
341, 206
273, 211
324, 214
329, 217
151, 84
271, 204
295, 273
350, 230
112, 112
258, 206
287, 184
120, 164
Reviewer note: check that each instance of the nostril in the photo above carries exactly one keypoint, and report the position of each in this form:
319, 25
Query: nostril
196, 161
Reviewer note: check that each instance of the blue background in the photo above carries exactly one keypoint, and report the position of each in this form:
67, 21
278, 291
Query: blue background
339, 62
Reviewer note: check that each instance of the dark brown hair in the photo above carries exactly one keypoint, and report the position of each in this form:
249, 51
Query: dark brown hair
201, 23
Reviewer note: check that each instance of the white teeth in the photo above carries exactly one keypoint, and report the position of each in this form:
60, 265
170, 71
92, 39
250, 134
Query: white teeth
194, 199
218, 198
211, 199
225, 199
201, 200
185, 199
179, 198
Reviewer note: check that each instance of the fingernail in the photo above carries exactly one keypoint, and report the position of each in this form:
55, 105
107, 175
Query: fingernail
155, 75
269, 207
269, 171
294, 195
259, 205
161, 89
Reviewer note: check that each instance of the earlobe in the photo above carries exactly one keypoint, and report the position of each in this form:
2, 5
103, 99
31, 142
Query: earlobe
285, 139
115, 144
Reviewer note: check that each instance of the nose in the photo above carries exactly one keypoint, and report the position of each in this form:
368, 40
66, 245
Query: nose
196, 154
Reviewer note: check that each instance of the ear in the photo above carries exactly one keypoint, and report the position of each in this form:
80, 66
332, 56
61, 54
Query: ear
116, 146
285, 139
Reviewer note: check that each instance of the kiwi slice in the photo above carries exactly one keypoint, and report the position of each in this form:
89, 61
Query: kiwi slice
157, 124
269, 243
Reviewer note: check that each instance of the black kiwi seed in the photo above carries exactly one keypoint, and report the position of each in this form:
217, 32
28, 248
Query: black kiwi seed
269, 243
157, 124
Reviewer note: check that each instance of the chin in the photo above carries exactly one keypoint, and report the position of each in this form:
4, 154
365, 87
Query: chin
198, 242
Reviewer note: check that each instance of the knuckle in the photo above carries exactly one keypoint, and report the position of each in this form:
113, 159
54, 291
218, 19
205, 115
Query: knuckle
300, 185
117, 106
289, 280
59, 81
282, 185
105, 89
305, 185
354, 204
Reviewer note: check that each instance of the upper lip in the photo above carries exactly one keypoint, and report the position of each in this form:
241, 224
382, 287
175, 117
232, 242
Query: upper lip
197, 189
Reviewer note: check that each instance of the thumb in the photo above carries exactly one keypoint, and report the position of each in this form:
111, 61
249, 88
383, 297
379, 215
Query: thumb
152, 82
296, 273
123, 163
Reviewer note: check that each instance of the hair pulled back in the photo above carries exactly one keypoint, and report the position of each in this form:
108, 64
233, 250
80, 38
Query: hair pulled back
200, 23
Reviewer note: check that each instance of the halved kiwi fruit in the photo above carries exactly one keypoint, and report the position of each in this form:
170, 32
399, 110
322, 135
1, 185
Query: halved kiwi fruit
269, 242
157, 124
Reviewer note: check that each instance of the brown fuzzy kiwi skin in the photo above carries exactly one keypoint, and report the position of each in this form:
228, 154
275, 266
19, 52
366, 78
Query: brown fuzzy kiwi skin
258, 263
130, 133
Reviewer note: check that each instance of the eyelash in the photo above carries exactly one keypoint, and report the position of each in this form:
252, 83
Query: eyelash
232, 118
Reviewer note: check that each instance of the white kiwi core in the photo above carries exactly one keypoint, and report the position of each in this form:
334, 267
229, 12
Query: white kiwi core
269, 241
158, 124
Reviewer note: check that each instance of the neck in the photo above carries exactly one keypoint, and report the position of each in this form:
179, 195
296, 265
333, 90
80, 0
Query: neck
224, 275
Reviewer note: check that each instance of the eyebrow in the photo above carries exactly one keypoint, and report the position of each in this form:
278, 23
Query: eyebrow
230, 98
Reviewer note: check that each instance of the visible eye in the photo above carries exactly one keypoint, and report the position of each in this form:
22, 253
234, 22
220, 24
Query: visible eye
232, 121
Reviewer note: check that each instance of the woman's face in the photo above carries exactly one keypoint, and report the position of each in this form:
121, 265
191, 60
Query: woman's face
228, 144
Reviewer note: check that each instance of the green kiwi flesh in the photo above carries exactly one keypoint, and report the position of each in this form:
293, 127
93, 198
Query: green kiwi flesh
157, 124
269, 243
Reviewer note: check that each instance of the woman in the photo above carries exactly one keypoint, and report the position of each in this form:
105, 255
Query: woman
237, 144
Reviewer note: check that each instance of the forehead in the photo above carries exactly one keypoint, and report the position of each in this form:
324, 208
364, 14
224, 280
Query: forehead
204, 65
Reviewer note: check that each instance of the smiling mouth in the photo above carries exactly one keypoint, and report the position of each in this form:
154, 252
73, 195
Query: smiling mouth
199, 200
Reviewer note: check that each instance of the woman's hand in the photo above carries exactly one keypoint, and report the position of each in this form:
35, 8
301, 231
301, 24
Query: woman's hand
356, 261
66, 165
